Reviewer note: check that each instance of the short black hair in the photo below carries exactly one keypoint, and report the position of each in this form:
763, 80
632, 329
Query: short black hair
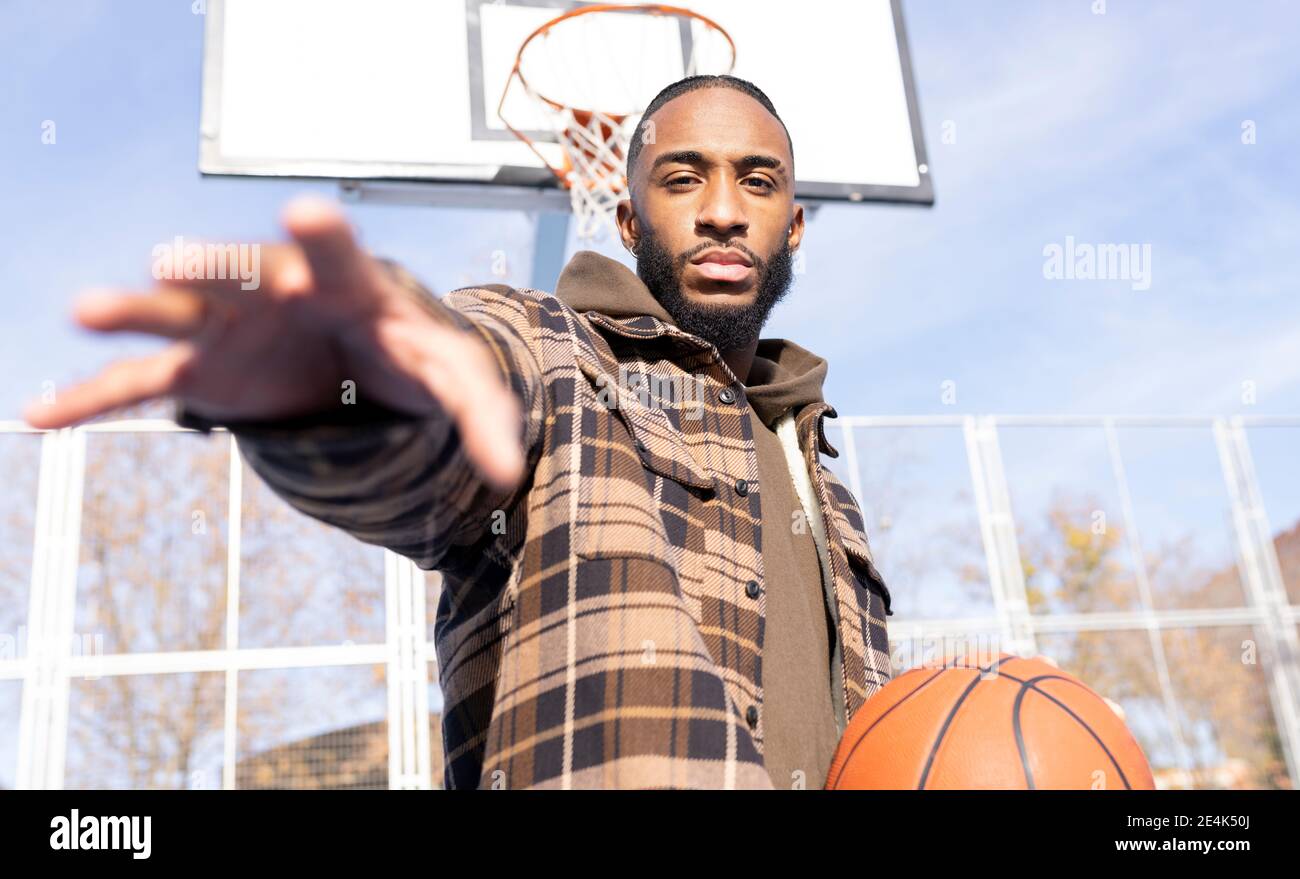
691, 84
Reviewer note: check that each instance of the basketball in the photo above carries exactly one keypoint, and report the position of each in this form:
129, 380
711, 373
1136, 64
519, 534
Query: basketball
1012, 724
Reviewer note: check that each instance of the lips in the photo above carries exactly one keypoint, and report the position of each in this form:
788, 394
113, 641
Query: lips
723, 265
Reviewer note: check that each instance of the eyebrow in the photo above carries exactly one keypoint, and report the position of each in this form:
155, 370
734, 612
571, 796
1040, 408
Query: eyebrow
695, 157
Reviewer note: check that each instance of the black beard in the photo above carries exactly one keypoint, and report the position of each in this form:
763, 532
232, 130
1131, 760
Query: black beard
727, 327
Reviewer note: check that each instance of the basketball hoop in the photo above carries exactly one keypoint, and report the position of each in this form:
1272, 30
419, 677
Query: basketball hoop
594, 141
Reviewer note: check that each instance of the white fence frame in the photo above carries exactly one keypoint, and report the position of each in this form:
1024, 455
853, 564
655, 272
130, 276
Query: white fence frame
49, 663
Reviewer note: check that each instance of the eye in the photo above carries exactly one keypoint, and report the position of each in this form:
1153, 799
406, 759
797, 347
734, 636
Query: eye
763, 182
680, 181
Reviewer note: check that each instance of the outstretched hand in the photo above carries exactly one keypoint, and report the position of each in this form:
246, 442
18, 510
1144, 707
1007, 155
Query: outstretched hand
326, 312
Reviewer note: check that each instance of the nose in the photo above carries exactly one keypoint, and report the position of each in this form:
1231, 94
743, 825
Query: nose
722, 212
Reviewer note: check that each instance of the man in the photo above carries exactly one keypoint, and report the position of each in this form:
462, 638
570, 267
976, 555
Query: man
650, 580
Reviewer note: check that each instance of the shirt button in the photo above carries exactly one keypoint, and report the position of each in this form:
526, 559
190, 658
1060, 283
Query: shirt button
727, 395
751, 589
640, 446
751, 716
742, 487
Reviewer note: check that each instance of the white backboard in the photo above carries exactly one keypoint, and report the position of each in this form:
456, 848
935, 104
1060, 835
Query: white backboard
408, 90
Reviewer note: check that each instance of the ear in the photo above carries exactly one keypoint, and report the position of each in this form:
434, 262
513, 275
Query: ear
629, 227
795, 234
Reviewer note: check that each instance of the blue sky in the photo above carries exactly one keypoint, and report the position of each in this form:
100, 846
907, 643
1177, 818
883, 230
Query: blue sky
1123, 127
1043, 121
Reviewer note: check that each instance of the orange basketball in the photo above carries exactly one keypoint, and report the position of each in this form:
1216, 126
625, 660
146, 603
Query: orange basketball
1016, 723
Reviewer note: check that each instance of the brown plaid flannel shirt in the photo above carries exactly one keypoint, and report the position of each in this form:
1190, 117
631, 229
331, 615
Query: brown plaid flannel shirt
597, 627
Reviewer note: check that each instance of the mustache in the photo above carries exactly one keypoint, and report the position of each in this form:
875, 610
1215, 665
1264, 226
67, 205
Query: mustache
689, 255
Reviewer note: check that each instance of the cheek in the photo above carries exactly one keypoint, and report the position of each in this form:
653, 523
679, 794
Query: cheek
675, 231
773, 227
674, 217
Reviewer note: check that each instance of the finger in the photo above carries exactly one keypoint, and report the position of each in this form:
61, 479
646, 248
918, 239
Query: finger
169, 312
124, 383
323, 233
490, 431
469, 389
1116, 707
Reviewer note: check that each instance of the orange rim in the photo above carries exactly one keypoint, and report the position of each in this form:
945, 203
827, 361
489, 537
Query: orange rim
617, 118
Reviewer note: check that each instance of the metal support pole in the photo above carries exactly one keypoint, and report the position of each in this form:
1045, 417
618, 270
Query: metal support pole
234, 522
408, 675
550, 241
43, 723
1263, 582
998, 530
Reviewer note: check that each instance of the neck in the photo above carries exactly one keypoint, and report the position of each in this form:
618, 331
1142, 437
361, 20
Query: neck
739, 360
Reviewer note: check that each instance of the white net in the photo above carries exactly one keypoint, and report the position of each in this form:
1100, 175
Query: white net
596, 147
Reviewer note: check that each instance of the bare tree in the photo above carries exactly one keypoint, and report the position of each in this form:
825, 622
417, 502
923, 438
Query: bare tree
1078, 563
153, 578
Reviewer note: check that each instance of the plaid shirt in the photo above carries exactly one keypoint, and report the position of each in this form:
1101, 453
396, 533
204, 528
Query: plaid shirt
602, 624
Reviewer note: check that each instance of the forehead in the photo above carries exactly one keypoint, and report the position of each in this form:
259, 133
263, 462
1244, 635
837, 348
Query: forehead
717, 121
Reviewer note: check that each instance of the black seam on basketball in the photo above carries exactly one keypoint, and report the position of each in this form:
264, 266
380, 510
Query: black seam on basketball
934, 749
849, 757
1032, 684
1020, 737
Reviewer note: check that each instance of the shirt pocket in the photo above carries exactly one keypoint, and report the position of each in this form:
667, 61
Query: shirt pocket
619, 504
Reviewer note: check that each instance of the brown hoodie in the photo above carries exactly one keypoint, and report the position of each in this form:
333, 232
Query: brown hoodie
803, 726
